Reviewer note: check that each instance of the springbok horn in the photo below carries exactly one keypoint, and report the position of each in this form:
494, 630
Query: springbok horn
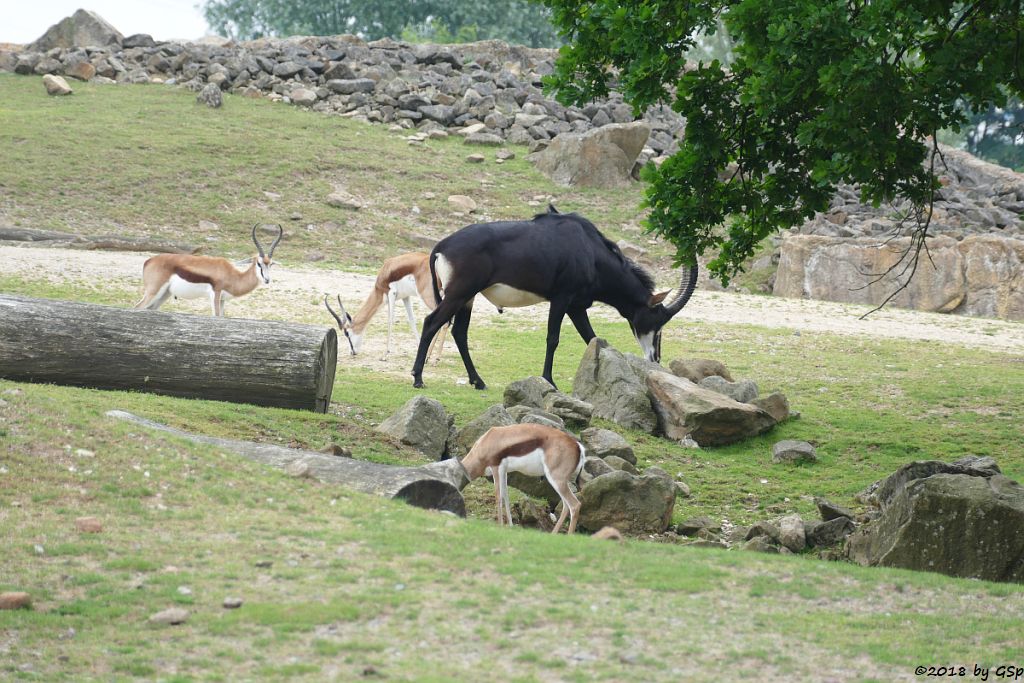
259, 247
687, 283
273, 246
341, 325
337, 317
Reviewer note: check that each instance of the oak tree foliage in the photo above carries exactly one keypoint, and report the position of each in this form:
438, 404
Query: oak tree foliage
819, 92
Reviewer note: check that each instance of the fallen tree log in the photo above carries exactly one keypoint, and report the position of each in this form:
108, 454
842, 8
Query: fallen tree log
436, 486
70, 240
266, 363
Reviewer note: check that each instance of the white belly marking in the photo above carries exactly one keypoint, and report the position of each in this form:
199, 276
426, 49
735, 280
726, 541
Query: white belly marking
504, 296
405, 287
531, 464
183, 289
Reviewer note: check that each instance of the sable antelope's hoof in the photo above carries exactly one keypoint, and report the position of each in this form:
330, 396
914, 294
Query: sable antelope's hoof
417, 384
479, 385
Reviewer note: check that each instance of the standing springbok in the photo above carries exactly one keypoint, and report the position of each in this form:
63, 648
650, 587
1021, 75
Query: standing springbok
535, 450
187, 276
400, 279
560, 258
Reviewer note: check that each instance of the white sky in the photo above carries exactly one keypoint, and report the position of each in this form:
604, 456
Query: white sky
22, 21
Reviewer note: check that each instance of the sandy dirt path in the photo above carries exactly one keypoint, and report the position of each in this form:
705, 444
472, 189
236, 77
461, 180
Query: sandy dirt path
296, 294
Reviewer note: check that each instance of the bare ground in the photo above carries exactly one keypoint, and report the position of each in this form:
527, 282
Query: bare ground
296, 293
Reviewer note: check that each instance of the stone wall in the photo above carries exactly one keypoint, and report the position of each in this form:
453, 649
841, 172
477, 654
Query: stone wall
974, 261
981, 275
422, 86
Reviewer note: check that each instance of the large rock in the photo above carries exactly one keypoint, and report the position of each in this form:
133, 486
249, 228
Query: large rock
883, 491
495, 416
421, 423
574, 412
994, 273
711, 419
633, 505
830, 532
744, 391
55, 85
527, 392
954, 524
775, 404
602, 157
791, 533
83, 28
601, 443
981, 275
696, 369
616, 386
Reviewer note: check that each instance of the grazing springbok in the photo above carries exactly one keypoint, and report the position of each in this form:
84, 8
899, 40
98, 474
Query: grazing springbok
400, 279
560, 258
535, 450
187, 276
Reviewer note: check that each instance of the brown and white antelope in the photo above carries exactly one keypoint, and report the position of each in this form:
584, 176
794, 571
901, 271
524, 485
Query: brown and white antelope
401, 278
187, 276
560, 258
535, 450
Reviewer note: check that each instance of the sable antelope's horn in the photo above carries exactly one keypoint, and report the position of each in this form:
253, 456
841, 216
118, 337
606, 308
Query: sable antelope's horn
687, 283
256, 241
277, 240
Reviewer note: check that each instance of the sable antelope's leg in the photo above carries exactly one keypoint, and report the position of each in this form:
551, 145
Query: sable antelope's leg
433, 322
581, 321
460, 329
555, 315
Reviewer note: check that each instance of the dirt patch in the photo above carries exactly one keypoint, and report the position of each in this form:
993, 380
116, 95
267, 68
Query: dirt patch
296, 293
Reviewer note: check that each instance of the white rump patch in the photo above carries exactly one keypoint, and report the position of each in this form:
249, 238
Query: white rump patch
504, 296
443, 270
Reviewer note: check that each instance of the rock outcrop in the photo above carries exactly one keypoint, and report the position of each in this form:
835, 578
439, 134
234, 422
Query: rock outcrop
708, 417
956, 524
975, 260
603, 157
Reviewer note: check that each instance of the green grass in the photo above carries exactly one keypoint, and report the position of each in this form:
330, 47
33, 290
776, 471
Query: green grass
345, 586
149, 161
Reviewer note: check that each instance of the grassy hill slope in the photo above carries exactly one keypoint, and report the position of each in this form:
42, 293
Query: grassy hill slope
342, 586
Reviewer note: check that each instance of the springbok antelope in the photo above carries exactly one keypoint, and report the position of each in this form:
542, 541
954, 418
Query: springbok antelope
535, 450
187, 276
400, 279
560, 258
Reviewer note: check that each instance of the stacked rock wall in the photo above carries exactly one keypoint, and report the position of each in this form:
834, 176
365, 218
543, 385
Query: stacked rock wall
974, 263
411, 85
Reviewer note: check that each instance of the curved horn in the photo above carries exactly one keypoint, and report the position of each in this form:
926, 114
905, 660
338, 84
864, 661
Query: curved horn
337, 317
273, 246
341, 325
687, 283
255, 240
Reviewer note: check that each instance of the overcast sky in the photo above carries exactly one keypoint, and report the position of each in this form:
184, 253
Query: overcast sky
22, 21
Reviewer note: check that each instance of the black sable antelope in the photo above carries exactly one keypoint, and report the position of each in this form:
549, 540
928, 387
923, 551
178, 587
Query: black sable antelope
560, 258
